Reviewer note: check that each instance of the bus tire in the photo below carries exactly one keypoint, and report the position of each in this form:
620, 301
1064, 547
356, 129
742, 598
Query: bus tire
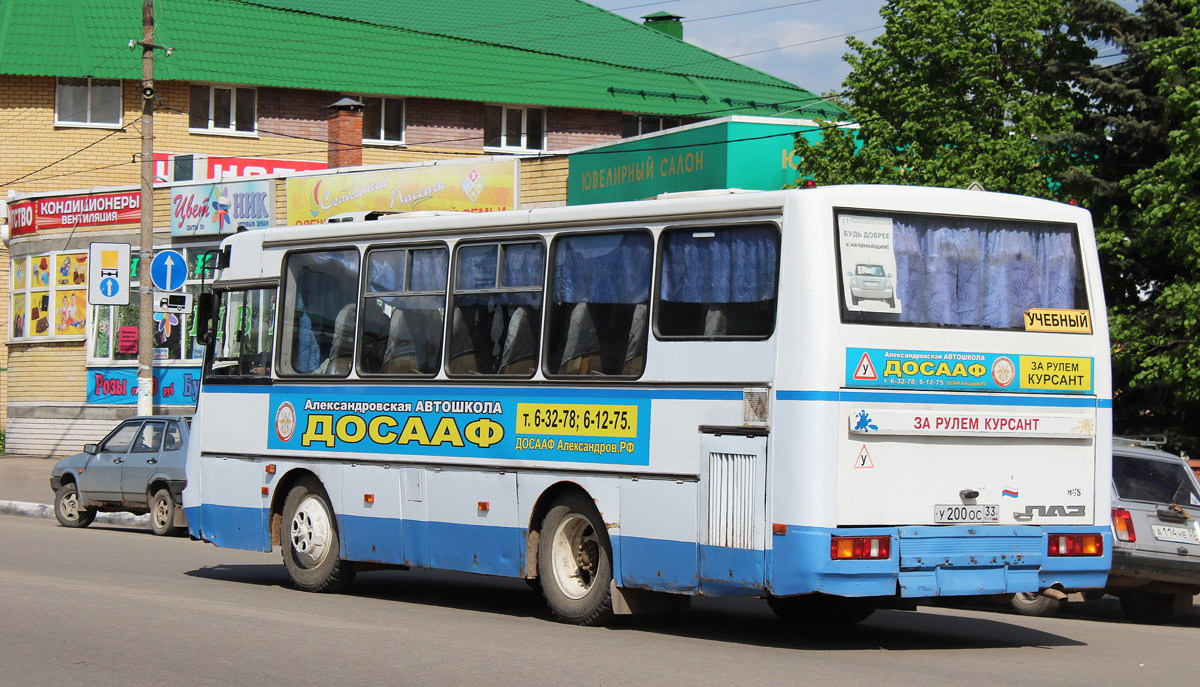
817, 611
311, 545
67, 510
575, 562
1034, 604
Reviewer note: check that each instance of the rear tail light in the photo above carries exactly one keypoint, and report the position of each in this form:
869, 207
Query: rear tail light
1123, 525
861, 548
1075, 545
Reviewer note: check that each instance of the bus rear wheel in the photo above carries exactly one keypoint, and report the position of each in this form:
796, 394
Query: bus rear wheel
575, 562
311, 545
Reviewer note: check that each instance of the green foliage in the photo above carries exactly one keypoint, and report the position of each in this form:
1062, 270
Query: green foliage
956, 91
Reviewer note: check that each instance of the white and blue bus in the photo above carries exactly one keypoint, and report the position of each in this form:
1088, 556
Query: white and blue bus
836, 398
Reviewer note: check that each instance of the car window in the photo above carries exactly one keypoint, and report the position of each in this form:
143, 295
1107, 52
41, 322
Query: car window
174, 438
1156, 481
149, 439
118, 441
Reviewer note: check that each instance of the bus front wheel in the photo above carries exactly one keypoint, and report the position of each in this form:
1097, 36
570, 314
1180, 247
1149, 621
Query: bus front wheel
311, 546
575, 562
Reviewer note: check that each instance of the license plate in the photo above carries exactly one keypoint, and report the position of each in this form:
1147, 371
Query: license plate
1183, 535
953, 513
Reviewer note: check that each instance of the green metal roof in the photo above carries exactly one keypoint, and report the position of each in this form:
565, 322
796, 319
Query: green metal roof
554, 53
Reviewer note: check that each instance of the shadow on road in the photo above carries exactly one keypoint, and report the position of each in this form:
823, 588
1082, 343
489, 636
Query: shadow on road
739, 621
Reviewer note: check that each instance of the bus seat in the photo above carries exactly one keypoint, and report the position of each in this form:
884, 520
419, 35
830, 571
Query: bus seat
400, 354
341, 351
635, 350
519, 356
715, 322
462, 347
581, 354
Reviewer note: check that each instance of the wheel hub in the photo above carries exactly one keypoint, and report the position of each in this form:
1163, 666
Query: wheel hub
311, 531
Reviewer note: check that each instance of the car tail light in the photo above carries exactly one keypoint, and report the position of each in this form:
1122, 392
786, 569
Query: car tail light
849, 548
1075, 545
1123, 525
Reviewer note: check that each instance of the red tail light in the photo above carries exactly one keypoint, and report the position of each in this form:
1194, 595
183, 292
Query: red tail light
862, 548
1075, 545
1123, 525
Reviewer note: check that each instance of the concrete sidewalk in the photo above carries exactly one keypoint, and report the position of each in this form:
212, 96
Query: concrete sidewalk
25, 490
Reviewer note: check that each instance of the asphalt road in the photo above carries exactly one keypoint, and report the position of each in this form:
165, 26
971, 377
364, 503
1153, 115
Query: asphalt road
116, 606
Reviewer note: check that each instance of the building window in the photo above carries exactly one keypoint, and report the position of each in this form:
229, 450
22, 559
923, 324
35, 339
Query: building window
87, 102
49, 295
222, 109
636, 125
114, 331
383, 119
521, 128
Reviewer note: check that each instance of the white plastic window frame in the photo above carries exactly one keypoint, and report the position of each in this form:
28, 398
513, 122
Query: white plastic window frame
504, 114
385, 100
58, 121
53, 289
232, 129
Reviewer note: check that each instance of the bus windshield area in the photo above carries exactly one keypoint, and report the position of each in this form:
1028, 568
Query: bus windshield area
245, 333
946, 271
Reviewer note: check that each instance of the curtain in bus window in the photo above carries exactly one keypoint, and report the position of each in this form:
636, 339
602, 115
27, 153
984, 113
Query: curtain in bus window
971, 272
719, 282
428, 270
476, 267
523, 265
325, 283
599, 282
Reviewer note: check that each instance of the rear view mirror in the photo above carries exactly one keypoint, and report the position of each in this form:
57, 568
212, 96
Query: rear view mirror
91, 449
205, 307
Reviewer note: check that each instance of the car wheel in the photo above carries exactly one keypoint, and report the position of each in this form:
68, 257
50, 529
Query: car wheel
311, 545
1147, 608
67, 509
816, 611
1034, 604
575, 562
162, 513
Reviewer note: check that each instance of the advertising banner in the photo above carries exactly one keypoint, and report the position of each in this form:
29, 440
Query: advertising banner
27, 217
173, 386
199, 166
214, 209
404, 422
467, 187
957, 371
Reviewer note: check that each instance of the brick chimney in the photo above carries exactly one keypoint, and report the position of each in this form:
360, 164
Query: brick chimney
345, 133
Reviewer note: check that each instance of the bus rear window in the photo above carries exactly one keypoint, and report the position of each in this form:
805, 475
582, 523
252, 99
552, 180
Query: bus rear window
955, 271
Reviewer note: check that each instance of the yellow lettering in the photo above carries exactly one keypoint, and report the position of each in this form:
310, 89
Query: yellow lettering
446, 430
927, 368
485, 432
344, 424
414, 429
376, 424
319, 429
909, 367
943, 368
892, 369
977, 370
960, 370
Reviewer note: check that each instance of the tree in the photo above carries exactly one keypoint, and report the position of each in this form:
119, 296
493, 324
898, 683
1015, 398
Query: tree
956, 91
1155, 311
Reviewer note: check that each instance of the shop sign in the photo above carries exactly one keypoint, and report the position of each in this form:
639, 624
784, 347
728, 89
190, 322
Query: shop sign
198, 166
173, 386
26, 217
466, 187
214, 209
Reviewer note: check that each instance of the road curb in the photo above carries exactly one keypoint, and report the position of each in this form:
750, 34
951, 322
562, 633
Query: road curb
42, 510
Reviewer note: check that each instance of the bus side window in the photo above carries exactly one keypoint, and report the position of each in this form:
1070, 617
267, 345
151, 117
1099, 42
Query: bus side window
718, 283
496, 326
321, 288
245, 334
404, 308
598, 303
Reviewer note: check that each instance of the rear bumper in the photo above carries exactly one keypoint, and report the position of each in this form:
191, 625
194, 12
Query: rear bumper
1131, 569
934, 561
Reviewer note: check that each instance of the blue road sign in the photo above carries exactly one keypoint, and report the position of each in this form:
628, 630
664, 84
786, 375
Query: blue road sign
168, 270
109, 287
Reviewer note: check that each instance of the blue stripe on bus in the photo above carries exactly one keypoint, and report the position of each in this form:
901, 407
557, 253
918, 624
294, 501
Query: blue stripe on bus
530, 391
941, 399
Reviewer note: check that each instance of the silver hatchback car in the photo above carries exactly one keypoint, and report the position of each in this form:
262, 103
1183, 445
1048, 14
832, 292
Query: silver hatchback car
137, 468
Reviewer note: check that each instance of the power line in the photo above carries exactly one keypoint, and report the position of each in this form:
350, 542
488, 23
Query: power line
69, 155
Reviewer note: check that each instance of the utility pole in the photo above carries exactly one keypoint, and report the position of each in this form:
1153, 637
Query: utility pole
145, 402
